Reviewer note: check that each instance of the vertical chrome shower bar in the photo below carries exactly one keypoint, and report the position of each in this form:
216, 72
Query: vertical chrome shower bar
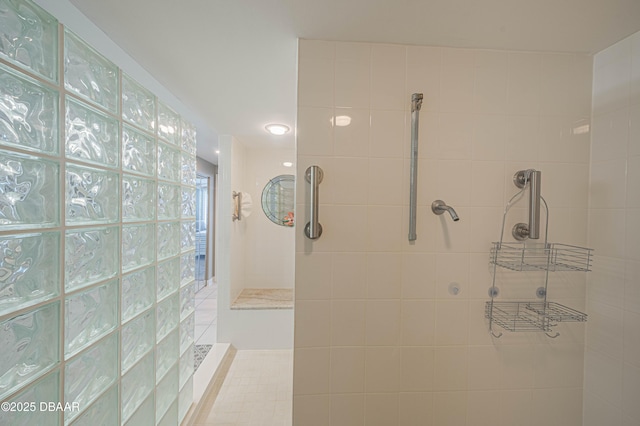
416, 104
314, 176
535, 181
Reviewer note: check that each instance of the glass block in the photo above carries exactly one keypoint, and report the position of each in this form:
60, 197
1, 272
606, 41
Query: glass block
166, 396
187, 332
166, 354
187, 300
91, 255
92, 195
169, 160
168, 278
103, 412
188, 202
90, 135
28, 113
89, 316
186, 366
171, 416
29, 37
137, 384
187, 268
168, 124
169, 199
188, 170
46, 390
138, 104
138, 246
138, 338
90, 373
89, 74
168, 239
185, 399
138, 152
188, 138
29, 188
145, 415
167, 316
138, 292
29, 269
138, 199
188, 235
29, 346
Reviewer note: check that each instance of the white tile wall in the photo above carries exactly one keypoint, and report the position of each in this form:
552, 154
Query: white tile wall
380, 337
611, 379
269, 255
244, 256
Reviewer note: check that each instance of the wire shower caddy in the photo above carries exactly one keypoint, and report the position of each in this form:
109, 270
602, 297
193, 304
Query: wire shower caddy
540, 315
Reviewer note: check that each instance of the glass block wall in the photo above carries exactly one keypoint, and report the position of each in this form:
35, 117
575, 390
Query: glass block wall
97, 232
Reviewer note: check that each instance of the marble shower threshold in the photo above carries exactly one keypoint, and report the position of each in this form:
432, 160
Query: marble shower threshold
264, 298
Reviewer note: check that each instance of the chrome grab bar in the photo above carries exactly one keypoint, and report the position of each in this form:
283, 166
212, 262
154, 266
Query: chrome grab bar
522, 231
313, 175
416, 104
535, 179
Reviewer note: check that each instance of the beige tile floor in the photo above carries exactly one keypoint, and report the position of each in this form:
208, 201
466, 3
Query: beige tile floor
257, 390
206, 314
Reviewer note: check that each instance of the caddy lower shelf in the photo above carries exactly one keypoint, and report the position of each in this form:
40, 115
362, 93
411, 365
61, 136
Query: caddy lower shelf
531, 316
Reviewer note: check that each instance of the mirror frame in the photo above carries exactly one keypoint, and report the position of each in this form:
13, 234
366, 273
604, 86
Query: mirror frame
282, 221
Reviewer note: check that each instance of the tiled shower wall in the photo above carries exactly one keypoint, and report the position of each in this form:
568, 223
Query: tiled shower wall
381, 336
612, 356
97, 228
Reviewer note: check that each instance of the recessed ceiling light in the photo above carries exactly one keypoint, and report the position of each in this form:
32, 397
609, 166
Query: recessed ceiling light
287, 164
277, 129
217, 151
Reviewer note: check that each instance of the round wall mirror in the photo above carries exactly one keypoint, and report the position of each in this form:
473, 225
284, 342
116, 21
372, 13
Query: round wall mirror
278, 198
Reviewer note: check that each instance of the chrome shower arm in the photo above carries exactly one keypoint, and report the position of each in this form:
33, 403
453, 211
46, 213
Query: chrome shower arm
439, 207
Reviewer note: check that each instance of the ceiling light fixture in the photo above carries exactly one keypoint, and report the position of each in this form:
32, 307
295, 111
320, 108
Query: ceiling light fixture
287, 164
343, 120
277, 129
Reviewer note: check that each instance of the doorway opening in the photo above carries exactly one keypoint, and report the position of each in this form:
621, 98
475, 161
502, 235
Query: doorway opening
202, 230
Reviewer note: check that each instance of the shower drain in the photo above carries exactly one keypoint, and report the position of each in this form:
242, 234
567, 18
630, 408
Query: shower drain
199, 353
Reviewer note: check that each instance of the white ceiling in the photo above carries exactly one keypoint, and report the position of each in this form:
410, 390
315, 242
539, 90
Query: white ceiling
233, 62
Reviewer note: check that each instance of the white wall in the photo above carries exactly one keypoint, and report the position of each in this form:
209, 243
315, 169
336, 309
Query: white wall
270, 249
210, 170
379, 340
239, 228
612, 360
244, 329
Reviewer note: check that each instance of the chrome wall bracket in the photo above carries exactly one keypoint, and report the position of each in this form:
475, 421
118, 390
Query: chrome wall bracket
520, 231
